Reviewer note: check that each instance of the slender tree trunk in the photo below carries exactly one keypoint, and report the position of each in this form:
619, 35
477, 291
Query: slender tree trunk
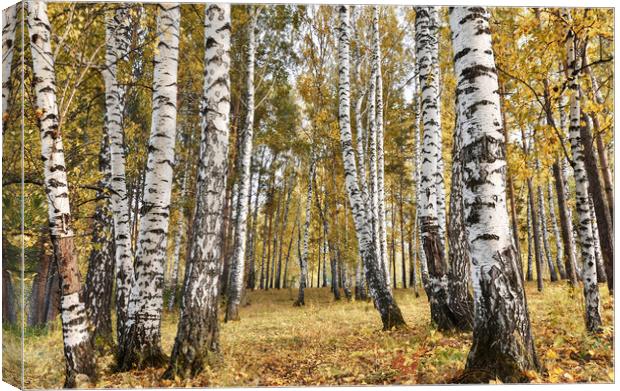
559, 250
391, 316
536, 236
251, 245
427, 47
530, 239
544, 234
381, 211
198, 332
597, 195
590, 286
285, 283
303, 259
403, 254
117, 43
37, 308
566, 224
100, 275
141, 346
238, 258
278, 284
503, 346
77, 340
178, 236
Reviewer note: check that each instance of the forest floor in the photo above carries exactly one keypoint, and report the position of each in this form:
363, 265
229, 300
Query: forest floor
336, 343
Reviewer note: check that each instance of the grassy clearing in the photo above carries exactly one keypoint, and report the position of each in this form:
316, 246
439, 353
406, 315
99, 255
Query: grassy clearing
335, 343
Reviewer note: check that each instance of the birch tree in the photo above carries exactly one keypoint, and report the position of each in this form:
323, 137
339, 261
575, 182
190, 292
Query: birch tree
559, 250
198, 332
303, 259
178, 236
76, 337
235, 287
141, 346
381, 223
117, 40
503, 346
584, 228
427, 47
391, 316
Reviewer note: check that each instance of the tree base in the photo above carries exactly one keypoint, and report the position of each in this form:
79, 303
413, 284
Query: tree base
132, 357
232, 313
393, 319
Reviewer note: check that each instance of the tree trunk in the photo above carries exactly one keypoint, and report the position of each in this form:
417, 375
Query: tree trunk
503, 346
198, 332
427, 48
117, 42
100, 275
559, 250
530, 239
544, 234
403, 255
590, 286
460, 300
538, 255
381, 211
251, 245
566, 224
178, 236
600, 268
303, 259
238, 259
75, 325
141, 346
597, 194
37, 310
391, 316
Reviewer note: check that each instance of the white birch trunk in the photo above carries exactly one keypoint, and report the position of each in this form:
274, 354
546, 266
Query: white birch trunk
235, 287
384, 302
503, 346
117, 32
584, 227
75, 324
142, 344
381, 212
543, 230
9, 24
303, 259
198, 332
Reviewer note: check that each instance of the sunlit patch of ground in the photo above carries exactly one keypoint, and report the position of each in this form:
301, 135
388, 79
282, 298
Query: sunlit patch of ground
330, 343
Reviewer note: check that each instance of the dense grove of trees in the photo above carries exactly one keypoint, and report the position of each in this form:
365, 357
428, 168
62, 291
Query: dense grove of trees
180, 155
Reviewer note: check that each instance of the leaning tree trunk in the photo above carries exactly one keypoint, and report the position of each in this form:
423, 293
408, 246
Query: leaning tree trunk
77, 340
303, 259
381, 223
566, 224
427, 47
117, 41
198, 333
100, 275
460, 300
590, 286
9, 17
599, 204
503, 346
384, 302
235, 287
141, 346
559, 250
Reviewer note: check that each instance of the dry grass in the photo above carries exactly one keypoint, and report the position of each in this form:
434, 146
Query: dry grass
331, 343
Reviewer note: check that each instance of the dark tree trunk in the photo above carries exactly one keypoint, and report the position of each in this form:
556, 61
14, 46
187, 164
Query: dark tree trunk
602, 158
37, 314
566, 225
597, 193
